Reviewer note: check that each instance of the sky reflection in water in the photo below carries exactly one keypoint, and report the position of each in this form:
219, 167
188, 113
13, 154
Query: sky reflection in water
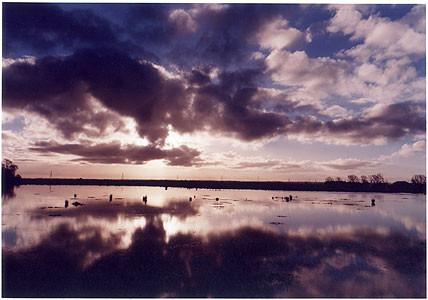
246, 244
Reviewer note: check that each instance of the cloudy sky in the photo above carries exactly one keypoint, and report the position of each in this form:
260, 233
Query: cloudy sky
268, 92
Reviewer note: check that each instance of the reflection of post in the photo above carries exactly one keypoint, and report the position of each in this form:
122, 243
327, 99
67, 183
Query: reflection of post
145, 199
66, 204
50, 187
373, 202
111, 197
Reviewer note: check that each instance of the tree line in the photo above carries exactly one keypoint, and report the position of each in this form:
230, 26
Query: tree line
378, 178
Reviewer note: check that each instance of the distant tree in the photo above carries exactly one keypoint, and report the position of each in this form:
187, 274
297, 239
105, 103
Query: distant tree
377, 178
329, 179
338, 178
364, 179
353, 178
418, 179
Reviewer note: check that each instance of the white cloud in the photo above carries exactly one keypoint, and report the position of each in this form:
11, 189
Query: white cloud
406, 150
182, 20
345, 19
336, 111
380, 69
25, 59
210, 7
319, 75
409, 149
277, 34
382, 38
369, 72
416, 18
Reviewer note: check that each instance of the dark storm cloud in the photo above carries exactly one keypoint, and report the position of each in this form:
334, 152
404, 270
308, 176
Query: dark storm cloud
230, 106
45, 26
58, 89
247, 262
393, 122
149, 23
226, 34
218, 36
39, 29
114, 153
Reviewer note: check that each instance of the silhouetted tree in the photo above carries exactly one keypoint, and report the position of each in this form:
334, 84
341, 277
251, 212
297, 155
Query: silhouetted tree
377, 178
8, 170
353, 178
9, 177
364, 179
418, 179
338, 179
329, 179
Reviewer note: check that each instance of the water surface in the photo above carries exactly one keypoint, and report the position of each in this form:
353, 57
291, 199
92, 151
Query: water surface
211, 243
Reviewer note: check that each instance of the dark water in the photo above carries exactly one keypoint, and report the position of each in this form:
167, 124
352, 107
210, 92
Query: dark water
246, 244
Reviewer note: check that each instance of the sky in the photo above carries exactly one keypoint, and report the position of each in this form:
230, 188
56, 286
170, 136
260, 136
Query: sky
214, 91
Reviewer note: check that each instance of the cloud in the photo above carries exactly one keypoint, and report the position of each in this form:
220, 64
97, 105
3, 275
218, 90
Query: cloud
225, 33
277, 34
382, 38
317, 80
348, 164
99, 87
337, 111
409, 149
345, 19
230, 106
314, 78
406, 150
380, 67
416, 18
44, 27
182, 20
115, 153
392, 122
260, 164
64, 86
269, 164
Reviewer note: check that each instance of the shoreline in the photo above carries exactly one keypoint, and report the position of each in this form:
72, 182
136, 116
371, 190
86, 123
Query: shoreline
397, 187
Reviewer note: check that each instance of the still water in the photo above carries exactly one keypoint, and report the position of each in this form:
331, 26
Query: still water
243, 244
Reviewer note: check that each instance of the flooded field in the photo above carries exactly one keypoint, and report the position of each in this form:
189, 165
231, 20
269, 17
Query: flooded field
78, 241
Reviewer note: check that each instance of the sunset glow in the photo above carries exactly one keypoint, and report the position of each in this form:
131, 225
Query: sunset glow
190, 91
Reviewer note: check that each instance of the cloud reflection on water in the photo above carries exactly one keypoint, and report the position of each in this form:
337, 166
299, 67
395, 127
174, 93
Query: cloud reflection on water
247, 262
